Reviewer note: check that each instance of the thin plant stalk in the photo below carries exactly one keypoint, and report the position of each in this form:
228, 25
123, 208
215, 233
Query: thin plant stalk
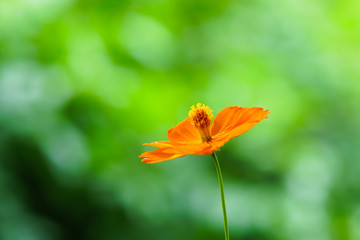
221, 184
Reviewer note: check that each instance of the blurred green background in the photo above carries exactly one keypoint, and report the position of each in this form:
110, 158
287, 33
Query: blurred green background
84, 83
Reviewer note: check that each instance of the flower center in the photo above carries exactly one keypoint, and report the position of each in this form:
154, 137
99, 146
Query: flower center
201, 116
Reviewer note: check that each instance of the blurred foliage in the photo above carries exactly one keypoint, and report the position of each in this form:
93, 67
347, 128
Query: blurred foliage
84, 83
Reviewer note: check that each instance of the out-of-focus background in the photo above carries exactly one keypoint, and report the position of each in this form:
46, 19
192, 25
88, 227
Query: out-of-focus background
84, 83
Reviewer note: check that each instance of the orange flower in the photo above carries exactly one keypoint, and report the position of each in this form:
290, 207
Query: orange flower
195, 135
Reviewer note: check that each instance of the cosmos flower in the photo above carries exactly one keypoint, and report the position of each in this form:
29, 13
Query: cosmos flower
196, 135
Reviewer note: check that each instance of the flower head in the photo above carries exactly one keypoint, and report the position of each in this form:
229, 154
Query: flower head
196, 135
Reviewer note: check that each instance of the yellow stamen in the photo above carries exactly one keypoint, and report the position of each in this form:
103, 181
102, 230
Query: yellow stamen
201, 116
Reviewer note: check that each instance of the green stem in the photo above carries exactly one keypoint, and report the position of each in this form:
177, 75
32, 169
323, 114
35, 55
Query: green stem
218, 170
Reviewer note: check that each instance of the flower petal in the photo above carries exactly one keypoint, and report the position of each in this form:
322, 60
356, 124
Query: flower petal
184, 132
233, 121
159, 155
162, 144
220, 139
204, 148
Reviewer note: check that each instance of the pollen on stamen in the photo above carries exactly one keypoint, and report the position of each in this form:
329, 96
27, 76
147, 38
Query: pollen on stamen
201, 117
